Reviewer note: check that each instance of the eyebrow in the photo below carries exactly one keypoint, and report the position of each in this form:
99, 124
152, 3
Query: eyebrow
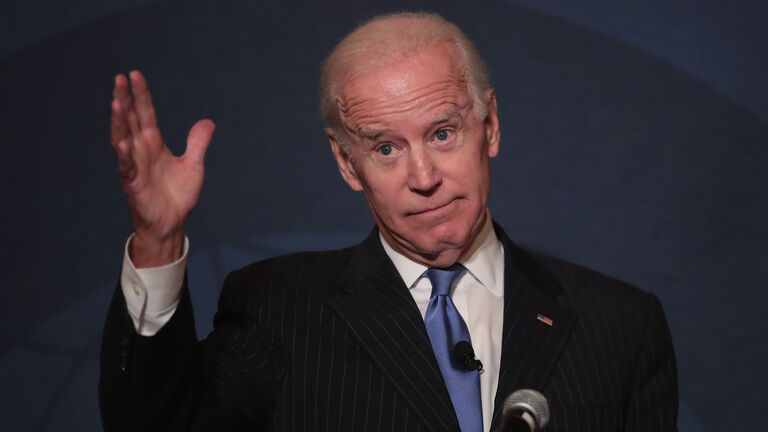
373, 134
445, 117
370, 134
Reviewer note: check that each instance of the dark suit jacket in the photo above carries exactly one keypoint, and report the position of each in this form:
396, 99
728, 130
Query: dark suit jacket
334, 341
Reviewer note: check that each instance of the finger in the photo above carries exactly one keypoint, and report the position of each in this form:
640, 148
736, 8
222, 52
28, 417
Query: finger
145, 109
119, 124
122, 92
123, 95
198, 141
125, 161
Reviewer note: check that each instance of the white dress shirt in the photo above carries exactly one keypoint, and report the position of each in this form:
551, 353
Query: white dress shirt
152, 294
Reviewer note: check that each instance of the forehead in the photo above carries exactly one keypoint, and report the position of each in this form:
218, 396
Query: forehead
426, 82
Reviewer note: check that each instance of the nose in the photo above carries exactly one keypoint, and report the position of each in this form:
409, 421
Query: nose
423, 175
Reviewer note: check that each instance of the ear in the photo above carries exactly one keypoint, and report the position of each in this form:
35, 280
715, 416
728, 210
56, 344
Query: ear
346, 168
491, 125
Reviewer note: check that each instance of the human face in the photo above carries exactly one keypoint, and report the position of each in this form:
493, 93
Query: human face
419, 153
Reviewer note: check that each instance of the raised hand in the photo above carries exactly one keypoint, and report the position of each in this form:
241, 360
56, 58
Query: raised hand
162, 189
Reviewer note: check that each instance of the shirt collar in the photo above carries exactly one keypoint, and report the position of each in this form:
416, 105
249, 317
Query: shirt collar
482, 260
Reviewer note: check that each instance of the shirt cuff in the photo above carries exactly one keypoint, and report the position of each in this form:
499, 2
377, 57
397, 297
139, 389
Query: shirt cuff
152, 294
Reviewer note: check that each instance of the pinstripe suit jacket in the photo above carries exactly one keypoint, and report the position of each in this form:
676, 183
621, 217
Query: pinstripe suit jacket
334, 341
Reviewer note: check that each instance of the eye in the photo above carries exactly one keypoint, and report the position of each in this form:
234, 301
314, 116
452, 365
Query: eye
442, 135
386, 149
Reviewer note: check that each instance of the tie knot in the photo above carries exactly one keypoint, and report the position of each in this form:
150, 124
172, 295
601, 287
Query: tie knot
443, 279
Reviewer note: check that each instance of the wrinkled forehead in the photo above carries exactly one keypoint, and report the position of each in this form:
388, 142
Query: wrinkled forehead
403, 82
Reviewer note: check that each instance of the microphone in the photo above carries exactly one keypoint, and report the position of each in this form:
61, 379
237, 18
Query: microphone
525, 410
465, 356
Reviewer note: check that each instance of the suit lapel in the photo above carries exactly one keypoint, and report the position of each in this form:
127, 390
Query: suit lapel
530, 345
379, 311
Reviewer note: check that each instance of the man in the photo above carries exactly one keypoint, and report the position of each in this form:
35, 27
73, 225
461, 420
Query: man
363, 338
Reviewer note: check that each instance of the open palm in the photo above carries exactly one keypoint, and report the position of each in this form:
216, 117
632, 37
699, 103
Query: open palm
162, 189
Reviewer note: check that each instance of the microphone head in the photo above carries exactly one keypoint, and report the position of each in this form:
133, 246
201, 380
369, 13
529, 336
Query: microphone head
464, 356
531, 402
463, 349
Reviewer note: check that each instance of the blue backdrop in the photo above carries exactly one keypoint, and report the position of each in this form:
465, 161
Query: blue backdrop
633, 141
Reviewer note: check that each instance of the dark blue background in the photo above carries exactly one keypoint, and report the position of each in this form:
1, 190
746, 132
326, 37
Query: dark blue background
633, 141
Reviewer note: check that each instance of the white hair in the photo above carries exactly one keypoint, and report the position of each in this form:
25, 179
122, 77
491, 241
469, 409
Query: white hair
374, 43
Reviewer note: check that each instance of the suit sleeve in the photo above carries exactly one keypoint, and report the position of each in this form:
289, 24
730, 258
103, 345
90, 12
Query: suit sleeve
653, 401
172, 382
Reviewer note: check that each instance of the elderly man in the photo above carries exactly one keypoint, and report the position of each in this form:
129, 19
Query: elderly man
364, 338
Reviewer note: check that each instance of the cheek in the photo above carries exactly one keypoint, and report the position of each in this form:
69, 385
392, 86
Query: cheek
471, 179
384, 195
465, 171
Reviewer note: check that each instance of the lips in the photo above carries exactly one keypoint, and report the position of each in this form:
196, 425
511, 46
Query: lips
431, 209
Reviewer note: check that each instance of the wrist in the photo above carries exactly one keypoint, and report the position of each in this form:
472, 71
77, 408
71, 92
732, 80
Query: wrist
154, 251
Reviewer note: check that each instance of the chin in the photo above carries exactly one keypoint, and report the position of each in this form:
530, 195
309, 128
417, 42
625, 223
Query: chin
450, 233
437, 241
443, 239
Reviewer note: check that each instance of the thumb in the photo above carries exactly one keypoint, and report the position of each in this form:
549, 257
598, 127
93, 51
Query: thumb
198, 140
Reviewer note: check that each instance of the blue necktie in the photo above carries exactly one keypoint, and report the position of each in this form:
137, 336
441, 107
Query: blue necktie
445, 328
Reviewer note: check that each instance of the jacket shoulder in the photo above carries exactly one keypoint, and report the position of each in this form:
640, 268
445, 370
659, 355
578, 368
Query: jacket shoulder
285, 278
564, 279
576, 279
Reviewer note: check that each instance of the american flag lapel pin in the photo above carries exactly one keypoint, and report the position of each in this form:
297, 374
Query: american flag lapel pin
545, 319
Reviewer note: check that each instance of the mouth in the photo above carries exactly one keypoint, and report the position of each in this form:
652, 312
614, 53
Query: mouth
431, 210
